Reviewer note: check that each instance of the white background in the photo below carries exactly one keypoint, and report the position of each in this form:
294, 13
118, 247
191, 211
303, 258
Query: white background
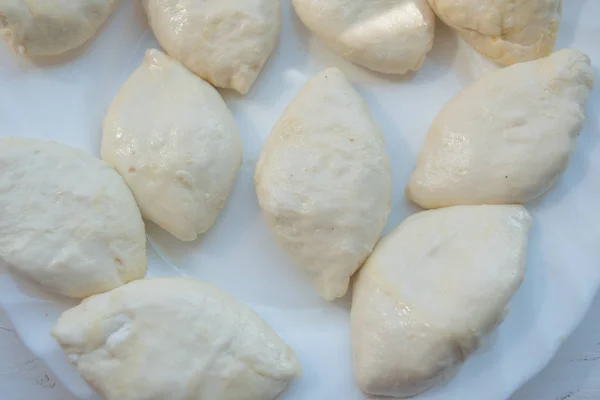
573, 374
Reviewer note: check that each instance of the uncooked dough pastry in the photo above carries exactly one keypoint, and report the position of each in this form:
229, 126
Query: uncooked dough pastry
431, 291
226, 42
507, 31
67, 219
50, 27
176, 339
323, 181
173, 139
506, 138
390, 36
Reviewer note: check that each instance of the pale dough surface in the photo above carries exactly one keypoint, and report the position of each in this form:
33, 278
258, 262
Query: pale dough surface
226, 42
390, 36
506, 31
173, 139
50, 27
431, 291
176, 339
323, 181
506, 138
67, 219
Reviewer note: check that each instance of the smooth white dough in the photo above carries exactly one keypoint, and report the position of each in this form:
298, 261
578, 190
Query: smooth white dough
173, 139
506, 138
507, 31
226, 42
323, 181
176, 339
67, 219
51, 27
431, 291
389, 36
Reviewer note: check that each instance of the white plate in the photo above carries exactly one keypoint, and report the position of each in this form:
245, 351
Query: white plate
65, 100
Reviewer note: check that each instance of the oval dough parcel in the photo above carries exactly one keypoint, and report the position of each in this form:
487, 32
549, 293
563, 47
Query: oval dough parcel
67, 219
431, 291
176, 339
389, 36
51, 27
506, 31
173, 139
506, 138
323, 181
226, 42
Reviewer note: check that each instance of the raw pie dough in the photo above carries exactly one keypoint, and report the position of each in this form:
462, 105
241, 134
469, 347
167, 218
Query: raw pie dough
390, 36
173, 139
506, 138
176, 339
67, 220
323, 181
50, 27
507, 31
431, 290
226, 42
